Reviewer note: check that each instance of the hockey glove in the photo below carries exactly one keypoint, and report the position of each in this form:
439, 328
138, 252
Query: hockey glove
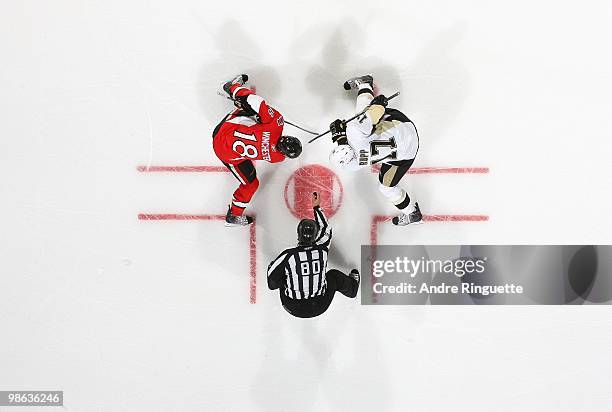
338, 131
380, 100
242, 103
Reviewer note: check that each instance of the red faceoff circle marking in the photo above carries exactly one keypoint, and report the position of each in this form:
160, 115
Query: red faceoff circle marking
308, 179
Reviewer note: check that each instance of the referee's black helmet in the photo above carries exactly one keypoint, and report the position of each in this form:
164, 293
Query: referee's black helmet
307, 231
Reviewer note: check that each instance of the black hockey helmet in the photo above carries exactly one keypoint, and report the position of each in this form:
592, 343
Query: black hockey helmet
307, 231
289, 146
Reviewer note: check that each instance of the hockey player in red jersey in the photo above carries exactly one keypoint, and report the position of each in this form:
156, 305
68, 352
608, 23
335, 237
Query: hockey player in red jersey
253, 131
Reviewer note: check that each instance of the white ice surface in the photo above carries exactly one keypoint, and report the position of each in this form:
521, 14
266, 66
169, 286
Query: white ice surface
129, 315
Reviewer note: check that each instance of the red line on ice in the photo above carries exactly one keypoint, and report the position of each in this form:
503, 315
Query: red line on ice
440, 170
376, 219
219, 169
423, 170
175, 216
252, 242
253, 262
375, 169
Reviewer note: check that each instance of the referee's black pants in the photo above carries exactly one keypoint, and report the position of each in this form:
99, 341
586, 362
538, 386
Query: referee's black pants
311, 307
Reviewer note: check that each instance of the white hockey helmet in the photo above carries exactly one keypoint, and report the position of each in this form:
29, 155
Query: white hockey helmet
341, 155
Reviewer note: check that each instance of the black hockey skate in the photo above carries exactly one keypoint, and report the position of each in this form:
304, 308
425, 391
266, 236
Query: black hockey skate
354, 82
233, 221
241, 79
413, 218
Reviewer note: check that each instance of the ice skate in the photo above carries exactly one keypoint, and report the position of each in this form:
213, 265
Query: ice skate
355, 82
233, 220
240, 79
413, 218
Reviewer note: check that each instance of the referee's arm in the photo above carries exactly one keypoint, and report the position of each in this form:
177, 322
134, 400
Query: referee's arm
276, 271
325, 232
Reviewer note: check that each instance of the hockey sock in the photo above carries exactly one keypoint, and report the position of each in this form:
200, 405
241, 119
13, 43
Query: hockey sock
237, 208
243, 195
365, 88
236, 211
364, 97
396, 195
405, 205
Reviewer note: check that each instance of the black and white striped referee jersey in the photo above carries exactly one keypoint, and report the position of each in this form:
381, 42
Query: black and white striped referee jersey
300, 270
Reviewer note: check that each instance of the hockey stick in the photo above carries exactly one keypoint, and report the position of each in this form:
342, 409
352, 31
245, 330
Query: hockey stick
394, 95
301, 128
219, 93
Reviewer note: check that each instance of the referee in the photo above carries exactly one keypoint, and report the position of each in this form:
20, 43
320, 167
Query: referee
306, 288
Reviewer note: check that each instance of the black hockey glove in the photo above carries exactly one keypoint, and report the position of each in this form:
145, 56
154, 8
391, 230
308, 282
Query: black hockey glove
241, 103
338, 131
380, 100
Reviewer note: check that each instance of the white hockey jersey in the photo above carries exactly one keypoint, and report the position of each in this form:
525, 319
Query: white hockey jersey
394, 138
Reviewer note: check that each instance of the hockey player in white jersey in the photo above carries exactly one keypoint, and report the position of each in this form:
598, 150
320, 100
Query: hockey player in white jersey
382, 136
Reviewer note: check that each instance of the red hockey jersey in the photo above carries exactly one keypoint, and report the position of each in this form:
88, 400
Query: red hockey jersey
240, 138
